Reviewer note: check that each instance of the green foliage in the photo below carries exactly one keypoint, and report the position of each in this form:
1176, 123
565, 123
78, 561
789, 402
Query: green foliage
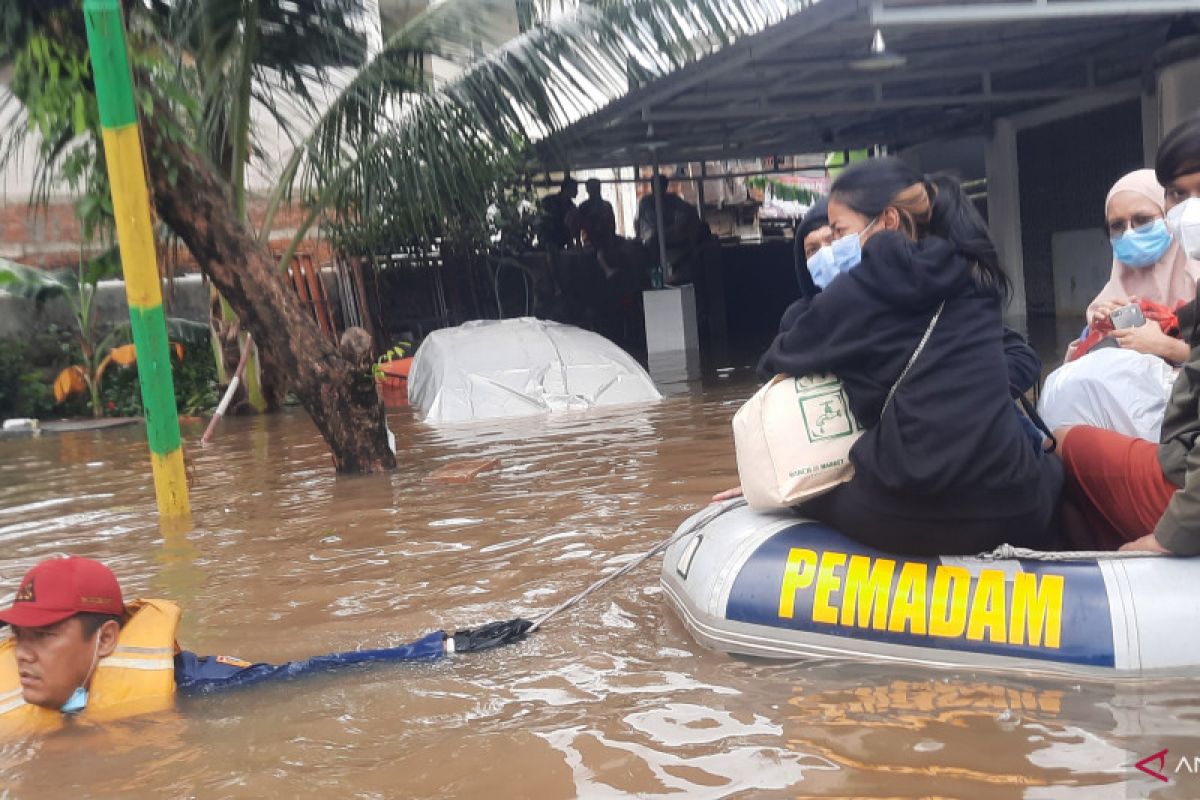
414, 177
24, 388
398, 351
783, 191
51, 76
27, 369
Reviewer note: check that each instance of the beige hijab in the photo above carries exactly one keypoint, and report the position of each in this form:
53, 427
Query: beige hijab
1171, 279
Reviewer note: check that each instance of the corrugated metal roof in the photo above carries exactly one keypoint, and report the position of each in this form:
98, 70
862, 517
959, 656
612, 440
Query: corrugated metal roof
794, 88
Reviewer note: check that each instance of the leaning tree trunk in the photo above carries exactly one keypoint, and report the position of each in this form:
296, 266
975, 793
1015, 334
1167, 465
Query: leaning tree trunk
339, 394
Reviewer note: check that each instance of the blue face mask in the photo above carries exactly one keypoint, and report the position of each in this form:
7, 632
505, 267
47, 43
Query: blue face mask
1142, 247
76, 702
847, 251
79, 698
822, 267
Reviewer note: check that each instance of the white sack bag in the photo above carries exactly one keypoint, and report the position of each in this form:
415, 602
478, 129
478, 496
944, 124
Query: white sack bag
793, 440
793, 437
1112, 388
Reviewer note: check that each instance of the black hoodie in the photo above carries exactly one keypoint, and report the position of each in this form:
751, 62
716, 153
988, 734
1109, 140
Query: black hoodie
951, 428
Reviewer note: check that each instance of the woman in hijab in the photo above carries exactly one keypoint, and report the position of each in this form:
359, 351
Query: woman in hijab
1144, 494
1125, 388
1148, 264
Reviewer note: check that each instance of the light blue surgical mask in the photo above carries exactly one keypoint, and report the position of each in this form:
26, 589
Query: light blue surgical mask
822, 267
79, 698
847, 251
76, 702
1142, 247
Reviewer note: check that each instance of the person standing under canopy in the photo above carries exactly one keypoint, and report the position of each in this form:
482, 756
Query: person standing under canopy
557, 210
684, 232
595, 217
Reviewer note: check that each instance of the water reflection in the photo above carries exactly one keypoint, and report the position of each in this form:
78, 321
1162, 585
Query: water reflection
612, 698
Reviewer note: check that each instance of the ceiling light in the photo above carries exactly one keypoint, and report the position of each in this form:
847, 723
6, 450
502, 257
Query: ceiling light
880, 59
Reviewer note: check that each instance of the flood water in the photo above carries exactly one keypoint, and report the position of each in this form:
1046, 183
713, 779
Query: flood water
610, 699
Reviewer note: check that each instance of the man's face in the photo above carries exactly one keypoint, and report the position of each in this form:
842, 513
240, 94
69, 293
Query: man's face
53, 661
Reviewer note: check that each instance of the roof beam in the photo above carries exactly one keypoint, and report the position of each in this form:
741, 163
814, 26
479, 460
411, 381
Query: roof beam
943, 14
822, 109
805, 22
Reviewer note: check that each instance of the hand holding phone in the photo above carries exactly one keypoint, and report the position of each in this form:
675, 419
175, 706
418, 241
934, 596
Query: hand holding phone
1129, 316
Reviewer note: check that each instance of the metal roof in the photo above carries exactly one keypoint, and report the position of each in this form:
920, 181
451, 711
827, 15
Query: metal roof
793, 88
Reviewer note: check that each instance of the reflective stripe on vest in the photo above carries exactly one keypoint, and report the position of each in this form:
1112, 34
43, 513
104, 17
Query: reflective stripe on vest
138, 677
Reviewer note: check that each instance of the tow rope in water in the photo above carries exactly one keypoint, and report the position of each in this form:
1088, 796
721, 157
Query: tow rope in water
713, 512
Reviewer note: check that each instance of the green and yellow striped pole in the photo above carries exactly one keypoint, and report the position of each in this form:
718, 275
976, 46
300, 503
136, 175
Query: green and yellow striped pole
131, 206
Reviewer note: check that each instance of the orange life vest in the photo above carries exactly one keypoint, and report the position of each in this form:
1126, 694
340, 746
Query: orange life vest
138, 677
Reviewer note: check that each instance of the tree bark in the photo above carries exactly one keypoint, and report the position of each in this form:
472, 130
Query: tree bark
332, 389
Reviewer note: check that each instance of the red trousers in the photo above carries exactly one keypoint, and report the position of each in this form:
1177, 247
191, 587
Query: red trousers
1116, 482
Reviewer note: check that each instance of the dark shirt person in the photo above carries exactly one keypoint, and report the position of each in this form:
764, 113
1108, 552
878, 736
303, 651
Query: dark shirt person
77, 650
557, 211
683, 231
595, 217
949, 468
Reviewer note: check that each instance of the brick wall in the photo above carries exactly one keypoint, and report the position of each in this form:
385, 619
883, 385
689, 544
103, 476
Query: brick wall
1066, 170
49, 237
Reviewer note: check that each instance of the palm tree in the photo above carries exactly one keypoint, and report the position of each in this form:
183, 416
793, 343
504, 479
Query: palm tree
392, 150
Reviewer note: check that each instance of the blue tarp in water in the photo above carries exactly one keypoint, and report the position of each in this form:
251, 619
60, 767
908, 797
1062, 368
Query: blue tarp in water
204, 674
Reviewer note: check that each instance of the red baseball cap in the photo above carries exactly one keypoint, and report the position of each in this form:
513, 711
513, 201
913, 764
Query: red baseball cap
59, 588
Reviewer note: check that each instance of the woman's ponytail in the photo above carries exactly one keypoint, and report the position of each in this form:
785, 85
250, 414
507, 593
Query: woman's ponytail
954, 218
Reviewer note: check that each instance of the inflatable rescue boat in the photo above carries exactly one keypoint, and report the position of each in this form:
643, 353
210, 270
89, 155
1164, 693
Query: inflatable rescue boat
779, 586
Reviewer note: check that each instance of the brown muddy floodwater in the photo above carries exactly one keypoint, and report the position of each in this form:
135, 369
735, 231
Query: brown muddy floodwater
611, 699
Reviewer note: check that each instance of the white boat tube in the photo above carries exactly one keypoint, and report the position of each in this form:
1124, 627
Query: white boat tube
779, 586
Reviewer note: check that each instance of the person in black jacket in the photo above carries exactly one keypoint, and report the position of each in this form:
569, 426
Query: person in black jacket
812, 234
949, 468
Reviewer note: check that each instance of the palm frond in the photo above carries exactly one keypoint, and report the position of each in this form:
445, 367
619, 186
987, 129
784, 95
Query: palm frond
407, 163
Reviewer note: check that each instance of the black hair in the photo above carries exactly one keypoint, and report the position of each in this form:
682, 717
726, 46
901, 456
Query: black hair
817, 216
663, 182
568, 183
592, 182
92, 621
939, 208
1179, 153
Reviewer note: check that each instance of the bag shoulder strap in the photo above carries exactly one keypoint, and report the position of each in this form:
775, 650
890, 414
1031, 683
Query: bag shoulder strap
920, 346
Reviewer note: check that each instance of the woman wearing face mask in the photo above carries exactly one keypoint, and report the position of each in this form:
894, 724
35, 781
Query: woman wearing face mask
948, 468
1125, 389
1123, 489
1148, 263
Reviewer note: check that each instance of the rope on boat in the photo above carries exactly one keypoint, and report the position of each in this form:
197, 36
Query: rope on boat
712, 513
1006, 552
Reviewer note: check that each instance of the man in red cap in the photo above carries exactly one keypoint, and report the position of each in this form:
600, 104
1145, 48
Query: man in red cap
65, 618
77, 645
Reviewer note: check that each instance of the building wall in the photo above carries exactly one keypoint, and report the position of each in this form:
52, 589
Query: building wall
50, 238
1066, 169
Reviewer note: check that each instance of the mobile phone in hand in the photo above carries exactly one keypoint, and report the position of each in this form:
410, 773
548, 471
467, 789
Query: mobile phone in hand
1127, 317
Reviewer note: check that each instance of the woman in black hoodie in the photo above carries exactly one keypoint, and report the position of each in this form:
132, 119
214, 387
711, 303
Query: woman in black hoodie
949, 467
